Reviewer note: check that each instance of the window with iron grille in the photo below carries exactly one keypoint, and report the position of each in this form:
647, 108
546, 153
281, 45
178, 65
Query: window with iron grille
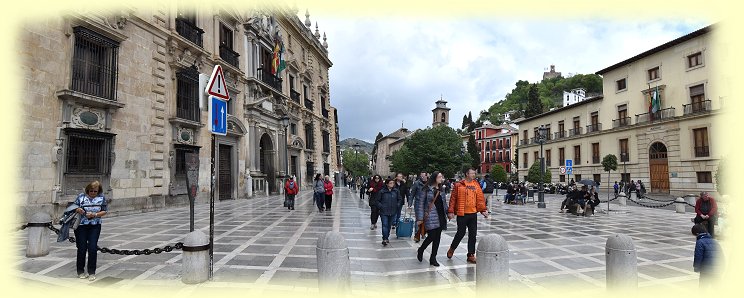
702, 148
326, 169
547, 158
595, 152
88, 152
577, 155
181, 151
309, 142
561, 156
94, 64
326, 142
309, 171
624, 150
562, 178
704, 177
187, 94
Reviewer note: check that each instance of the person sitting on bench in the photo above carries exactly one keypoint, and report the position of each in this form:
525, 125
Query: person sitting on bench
706, 211
568, 201
592, 201
579, 199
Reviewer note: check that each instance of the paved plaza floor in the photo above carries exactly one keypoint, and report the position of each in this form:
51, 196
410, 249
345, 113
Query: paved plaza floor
261, 246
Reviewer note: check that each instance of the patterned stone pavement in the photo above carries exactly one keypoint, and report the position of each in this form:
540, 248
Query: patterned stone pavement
261, 246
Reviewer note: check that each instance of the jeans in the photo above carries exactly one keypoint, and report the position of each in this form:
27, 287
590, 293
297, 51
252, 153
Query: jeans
469, 221
387, 220
86, 240
291, 199
319, 198
397, 216
710, 223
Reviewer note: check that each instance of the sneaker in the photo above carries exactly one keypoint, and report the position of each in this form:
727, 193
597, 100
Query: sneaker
371, 227
82, 275
384, 243
92, 277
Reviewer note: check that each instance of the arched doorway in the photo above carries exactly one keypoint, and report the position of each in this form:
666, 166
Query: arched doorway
658, 167
267, 154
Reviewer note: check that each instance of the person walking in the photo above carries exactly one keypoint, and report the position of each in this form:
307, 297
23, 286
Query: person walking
487, 187
617, 188
319, 192
93, 206
374, 188
328, 187
706, 211
291, 188
430, 211
706, 257
362, 188
416, 188
388, 204
466, 200
400, 184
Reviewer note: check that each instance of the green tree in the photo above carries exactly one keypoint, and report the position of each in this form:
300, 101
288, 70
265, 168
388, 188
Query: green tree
534, 106
474, 152
498, 174
464, 121
533, 175
356, 163
609, 163
431, 149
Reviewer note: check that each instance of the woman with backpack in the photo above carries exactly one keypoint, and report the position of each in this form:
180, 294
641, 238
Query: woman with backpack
291, 188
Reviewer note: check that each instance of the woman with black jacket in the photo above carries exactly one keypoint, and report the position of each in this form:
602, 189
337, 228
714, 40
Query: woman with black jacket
431, 212
387, 203
374, 187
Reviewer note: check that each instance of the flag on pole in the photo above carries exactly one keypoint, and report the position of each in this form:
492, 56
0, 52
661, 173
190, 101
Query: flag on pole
650, 99
277, 62
656, 101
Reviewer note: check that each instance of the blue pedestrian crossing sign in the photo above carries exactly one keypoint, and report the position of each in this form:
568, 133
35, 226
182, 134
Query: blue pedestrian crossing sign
569, 166
218, 116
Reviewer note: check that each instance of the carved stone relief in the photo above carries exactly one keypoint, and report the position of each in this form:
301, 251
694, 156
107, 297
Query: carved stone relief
88, 118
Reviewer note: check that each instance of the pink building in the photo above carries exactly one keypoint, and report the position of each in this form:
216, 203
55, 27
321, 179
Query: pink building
495, 146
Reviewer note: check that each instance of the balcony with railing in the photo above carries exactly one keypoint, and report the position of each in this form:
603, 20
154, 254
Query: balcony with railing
621, 122
523, 142
595, 159
189, 31
702, 151
294, 95
697, 107
308, 103
230, 56
270, 79
559, 135
574, 132
593, 127
624, 157
663, 114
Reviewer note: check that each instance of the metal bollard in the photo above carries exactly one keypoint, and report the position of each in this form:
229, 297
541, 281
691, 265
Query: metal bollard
492, 269
334, 268
195, 258
621, 263
680, 204
38, 235
622, 199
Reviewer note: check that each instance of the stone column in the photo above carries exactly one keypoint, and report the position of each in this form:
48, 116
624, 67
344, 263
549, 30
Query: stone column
334, 269
622, 199
621, 263
38, 235
492, 269
195, 258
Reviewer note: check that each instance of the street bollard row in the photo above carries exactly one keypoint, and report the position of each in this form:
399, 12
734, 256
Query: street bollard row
334, 269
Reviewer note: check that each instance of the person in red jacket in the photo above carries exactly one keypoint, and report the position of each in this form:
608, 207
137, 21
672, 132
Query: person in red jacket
707, 211
328, 185
466, 201
291, 187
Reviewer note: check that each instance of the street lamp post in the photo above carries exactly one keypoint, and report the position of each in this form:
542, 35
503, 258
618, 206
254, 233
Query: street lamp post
624, 157
356, 158
541, 191
285, 123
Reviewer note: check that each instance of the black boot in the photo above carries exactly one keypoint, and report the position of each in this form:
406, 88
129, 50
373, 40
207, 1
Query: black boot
433, 262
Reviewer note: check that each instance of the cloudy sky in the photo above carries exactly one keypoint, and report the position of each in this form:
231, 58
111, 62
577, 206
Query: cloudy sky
390, 70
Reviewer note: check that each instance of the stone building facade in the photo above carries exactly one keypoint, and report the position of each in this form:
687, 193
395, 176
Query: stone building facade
675, 96
117, 96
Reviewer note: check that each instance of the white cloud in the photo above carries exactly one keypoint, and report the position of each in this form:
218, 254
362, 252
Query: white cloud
389, 70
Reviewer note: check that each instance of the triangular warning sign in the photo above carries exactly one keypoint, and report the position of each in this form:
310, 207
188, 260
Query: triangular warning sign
216, 86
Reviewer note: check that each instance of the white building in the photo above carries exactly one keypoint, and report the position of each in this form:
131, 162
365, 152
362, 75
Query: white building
574, 96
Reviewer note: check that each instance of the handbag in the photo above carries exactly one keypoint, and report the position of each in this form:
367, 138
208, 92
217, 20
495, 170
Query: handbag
422, 226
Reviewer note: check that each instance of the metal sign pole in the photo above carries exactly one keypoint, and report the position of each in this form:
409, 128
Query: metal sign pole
211, 216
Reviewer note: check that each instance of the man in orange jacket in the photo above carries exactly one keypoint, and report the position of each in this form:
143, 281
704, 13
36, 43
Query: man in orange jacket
466, 200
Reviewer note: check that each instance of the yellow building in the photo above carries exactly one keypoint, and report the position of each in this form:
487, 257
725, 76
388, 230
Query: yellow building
656, 116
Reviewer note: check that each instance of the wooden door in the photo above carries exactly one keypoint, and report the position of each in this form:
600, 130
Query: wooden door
224, 173
658, 168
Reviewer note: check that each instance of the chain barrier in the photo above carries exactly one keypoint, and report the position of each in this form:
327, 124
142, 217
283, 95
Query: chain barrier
128, 252
651, 206
615, 198
23, 227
